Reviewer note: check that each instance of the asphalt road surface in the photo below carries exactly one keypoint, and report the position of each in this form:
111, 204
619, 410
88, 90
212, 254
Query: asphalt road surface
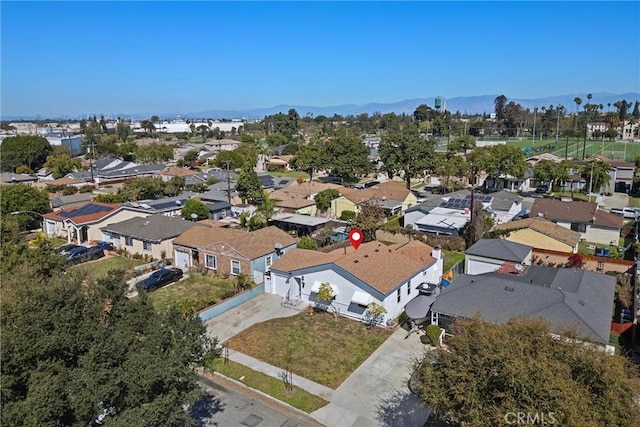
228, 404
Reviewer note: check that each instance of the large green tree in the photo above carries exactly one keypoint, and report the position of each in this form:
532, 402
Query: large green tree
74, 349
234, 159
596, 173
28, 150
489, 372
62, 164
23, 198
370, 218
153, 153
553, 172
310, 157
194, 207
143, 188
249, 186
404, 151
347, 157
498, 159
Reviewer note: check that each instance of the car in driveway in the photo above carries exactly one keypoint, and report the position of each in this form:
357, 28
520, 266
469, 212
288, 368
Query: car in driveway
83, 254
160, 278
65, 249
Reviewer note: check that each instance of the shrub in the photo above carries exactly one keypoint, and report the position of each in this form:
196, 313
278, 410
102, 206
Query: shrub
308, 243
69, 190
347, 215
86, 189
433, 333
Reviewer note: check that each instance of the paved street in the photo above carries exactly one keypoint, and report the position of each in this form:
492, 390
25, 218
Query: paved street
230, 405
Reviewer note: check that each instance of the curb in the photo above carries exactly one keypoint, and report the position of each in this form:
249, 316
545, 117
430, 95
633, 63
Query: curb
207, 374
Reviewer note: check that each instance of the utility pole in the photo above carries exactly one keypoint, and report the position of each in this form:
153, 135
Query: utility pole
533, 141
228, 181
558, 109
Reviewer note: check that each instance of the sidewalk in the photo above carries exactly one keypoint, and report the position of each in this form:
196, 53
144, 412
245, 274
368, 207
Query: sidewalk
272, 371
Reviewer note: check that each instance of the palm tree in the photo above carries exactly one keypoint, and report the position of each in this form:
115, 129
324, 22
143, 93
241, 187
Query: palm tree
578, 101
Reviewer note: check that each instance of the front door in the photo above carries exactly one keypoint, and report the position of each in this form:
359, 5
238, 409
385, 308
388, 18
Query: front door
297, 288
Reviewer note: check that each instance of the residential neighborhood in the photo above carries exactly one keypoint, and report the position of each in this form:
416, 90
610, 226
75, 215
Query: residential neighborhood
176, 252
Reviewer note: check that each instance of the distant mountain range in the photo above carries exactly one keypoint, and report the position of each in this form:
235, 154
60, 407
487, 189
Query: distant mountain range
464, 104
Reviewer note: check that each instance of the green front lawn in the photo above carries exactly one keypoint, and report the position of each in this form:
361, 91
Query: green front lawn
583, 248
318, 346
576, 195
274, 387
290, 174
56, 242
450, 259
97, 269
193, 293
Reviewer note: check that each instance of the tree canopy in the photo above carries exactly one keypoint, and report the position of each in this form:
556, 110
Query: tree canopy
249, 185
28, 150
193, 206
347, 157
491, 371
405, 151
323, 198
73, 350
497, 160
22, 197
369, 219
62, 164
596, 173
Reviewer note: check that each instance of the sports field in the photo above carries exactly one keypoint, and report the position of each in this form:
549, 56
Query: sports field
573, 148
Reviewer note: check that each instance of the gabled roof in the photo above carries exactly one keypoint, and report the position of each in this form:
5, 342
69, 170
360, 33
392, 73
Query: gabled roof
504, 200
250, 244
543, 226
500, 249
565, 297
435, 200
154, 228
12, 178
72, 199
388, 190
88, 213
178, 172
384, 268
575, 211
303, 190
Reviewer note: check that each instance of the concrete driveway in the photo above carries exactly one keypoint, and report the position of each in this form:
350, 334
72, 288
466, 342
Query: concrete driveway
259, 309
376, 394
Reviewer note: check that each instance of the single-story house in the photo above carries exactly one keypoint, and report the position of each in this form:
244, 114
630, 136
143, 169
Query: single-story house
83, 223
168, 173
59, 201
302, 225
417, 212
594, 225
218, 209
488, 255
229, 252
394, 197
540, 233
17, 178
620, 176
282, 162
390, 276
147, 235
168, 206
299, 198
567, 298
506, 205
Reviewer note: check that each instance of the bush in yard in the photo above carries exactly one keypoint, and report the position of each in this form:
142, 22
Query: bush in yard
308, 243
433, 333
347, 215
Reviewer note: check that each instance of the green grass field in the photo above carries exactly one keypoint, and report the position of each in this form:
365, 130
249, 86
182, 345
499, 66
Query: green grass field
574, 148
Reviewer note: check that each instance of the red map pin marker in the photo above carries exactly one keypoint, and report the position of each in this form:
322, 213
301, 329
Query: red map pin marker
355, 237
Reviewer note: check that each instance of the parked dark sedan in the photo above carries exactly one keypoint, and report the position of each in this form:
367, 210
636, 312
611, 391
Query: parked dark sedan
160, 278
83, 254
65, 249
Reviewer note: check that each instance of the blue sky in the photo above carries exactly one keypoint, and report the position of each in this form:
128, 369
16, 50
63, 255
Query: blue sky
118, 57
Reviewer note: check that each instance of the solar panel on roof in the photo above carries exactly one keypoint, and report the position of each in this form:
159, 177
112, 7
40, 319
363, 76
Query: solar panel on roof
283, 182
85, 210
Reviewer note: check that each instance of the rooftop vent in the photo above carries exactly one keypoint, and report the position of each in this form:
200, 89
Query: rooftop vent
355, 261
366, 256
581, 303
145, 223
377, 250
509, 288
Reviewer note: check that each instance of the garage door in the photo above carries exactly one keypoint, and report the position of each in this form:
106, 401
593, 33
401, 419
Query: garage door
182, 259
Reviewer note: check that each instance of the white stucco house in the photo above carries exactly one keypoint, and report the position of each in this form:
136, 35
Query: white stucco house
488, 255
390, 276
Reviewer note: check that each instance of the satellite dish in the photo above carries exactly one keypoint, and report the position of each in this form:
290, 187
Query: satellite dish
519, 267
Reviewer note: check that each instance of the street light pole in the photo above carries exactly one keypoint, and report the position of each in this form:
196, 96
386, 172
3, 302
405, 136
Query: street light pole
558, 109
533, 141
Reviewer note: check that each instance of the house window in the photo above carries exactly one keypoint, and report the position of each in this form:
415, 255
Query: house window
579, 227
399, 293
235, 267
128, 241
408, 288
146, 246
268, 261
64, 225
210, 261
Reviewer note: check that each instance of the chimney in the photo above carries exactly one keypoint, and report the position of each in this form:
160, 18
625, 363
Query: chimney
436, 253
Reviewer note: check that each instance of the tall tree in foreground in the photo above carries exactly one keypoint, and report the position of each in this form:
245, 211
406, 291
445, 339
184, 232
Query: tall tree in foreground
74, 349
347, 157
492, 371
28, 150
248, 185
404, 151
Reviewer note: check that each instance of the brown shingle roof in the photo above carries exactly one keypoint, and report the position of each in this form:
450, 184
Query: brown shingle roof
382, 267
386, 191
545, 227
178, 172
574, 211
252, 245
303, 191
